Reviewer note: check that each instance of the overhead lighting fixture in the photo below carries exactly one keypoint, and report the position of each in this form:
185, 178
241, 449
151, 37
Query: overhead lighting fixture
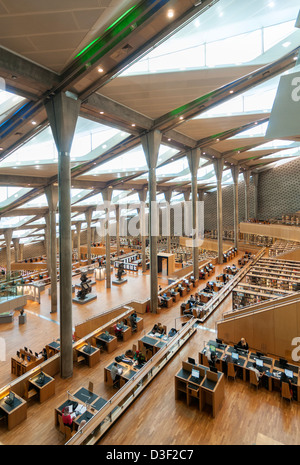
286, 44
231, 91
33, 122
170, 13
133, 125
100, 70
101, 112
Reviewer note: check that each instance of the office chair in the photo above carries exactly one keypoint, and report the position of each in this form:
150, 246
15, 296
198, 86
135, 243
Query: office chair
91, 386
253, 380
231, 372
286, 391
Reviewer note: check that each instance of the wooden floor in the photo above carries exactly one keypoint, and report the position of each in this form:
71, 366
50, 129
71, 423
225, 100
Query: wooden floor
247, 416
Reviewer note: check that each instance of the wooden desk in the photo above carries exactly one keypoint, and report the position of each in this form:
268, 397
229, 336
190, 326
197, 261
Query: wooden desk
19, 366
271, 367
154, 343
45, 390
52, 348
107, 344
15, 413
129, 370
125, 331
209, 390
83, 397
92, 357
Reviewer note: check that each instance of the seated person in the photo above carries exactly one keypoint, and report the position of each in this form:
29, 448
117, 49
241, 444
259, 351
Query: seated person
243, 344
211, 357
172, 332
192, 299
180, 289
115, 373
67, 417
257, 372
132, 320
117, 330
286, 379
162, 301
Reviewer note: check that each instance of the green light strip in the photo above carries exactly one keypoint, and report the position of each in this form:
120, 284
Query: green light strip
88, 46
119, 19
112, 25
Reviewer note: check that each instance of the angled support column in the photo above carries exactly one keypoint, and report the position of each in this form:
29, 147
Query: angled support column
235, 176
16, 243
78, 231
47, 241
193, 157
167, 232
51, 193
62, 112
151, 142
88, 219
143, 196
8, 238
107, 194
255, 182
218, 165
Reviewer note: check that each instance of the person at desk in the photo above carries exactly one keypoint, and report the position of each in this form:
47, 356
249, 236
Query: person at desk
115, 373
180, 289
44, 353
192, 300
67, 417
162, 302
243, 344
257, 372
132, 320
286, 379
211, 357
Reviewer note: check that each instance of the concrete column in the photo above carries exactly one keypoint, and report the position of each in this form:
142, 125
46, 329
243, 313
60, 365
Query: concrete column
118, 229
107, 194
8, 238
151, 142
16, 243
168, 196
193, 157
218, 165
51, 193
47, 241
62, 112
255, 182
88, 218
246, 175
185, 216
235, 176
143, 196
21, 252
78, 231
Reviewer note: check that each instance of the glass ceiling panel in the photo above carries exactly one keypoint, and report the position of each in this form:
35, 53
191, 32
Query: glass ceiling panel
89, 137
10, 194
230, 32
8, 104
14, 221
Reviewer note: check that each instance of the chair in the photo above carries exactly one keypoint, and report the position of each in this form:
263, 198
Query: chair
79, 358
91, 386
29, 393
65, 429
286, 391
231, 372
205, 360
253, 379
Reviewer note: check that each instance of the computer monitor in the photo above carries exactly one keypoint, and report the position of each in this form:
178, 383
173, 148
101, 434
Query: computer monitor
213, 369
288, 373
106, 333
260, 354
191, 360
283, 361
219, 341
259, 362
195, 373
235, 356
212, 348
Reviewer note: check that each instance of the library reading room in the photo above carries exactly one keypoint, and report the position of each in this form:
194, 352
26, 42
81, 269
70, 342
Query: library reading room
149, 222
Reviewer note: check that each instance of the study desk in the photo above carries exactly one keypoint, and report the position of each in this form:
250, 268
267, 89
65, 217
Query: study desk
90, 353
152, 342
108, 343
45, 389
15, 413
175, 296
128, 371
207, 390
19, 366
52, 348
125, 331
271, 366
82, 397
